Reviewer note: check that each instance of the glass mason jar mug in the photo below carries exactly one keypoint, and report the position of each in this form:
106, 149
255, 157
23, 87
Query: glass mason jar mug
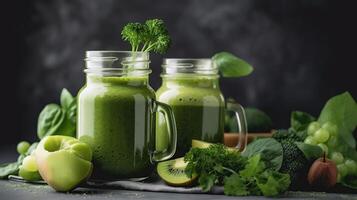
191, 88
116, 118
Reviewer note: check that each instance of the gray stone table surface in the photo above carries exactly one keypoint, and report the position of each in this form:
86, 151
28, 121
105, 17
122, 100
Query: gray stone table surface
23, 191
10, 190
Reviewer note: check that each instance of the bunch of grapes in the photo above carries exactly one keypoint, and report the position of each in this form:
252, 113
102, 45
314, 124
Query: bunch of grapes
325, 136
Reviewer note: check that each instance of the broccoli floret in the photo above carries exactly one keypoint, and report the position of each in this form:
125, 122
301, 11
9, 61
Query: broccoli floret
294, 161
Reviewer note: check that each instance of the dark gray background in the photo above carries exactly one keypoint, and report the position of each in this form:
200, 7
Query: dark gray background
303, 51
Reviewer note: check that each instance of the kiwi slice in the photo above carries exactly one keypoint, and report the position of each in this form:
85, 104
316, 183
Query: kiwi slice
173, 172
200, 144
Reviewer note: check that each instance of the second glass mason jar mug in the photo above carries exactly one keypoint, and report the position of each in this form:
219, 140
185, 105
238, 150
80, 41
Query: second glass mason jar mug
116, 115
191, 88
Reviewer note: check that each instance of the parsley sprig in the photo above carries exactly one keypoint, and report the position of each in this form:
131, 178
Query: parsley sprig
240, 176
147, 37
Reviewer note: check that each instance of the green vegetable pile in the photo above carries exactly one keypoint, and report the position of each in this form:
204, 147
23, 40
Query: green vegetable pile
286, 152
308, 138
240, 176
53, 120
333, 132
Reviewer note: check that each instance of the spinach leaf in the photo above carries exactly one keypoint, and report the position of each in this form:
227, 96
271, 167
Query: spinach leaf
7, 169
350, 182
50, 119
68, 127
230, 65
59, 120
311, 152
66, 98
342, 111
270, 150
71, 112
300, 120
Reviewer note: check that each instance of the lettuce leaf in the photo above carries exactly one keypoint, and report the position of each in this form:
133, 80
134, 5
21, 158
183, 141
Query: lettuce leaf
342, 111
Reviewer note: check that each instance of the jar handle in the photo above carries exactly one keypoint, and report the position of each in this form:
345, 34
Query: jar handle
241, 122
166, 111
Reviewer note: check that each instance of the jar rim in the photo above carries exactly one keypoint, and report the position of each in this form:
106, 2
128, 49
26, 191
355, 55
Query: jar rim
199, 66
109, 53
108, 62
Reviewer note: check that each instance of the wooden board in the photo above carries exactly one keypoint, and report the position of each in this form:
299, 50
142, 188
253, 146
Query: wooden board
231, 139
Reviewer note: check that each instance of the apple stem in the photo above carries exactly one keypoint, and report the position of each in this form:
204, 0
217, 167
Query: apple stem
324, 158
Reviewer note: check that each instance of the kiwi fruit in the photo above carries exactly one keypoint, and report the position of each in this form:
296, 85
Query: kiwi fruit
173, 172
200, 144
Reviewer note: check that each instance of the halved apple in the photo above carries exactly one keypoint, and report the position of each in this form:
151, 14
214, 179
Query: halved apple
63, 162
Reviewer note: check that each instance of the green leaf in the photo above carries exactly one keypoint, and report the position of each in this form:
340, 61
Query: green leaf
300, 120
270, 150
350, 182
342, 111
350, 153
235, 185
71, 111
206, 181
68, 126
230, 65
311, 152
7, 169
253, 167
66, 98
50, 119
273, 183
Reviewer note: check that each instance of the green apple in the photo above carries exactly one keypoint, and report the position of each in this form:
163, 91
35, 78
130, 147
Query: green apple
29, 175
63, 162
29, 170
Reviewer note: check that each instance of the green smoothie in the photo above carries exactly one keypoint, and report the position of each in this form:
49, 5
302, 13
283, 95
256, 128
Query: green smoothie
115, 120
198, 107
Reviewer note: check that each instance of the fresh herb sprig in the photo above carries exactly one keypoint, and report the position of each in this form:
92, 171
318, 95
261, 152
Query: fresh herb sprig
240, 176
147, 37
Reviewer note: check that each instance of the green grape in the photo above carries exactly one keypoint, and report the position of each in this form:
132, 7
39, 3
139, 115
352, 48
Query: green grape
310, 140
323, 147
332, 142
321, 135
22, 147
331, 128
29, 164
351, 166
337, 157
313, 127
342, 170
